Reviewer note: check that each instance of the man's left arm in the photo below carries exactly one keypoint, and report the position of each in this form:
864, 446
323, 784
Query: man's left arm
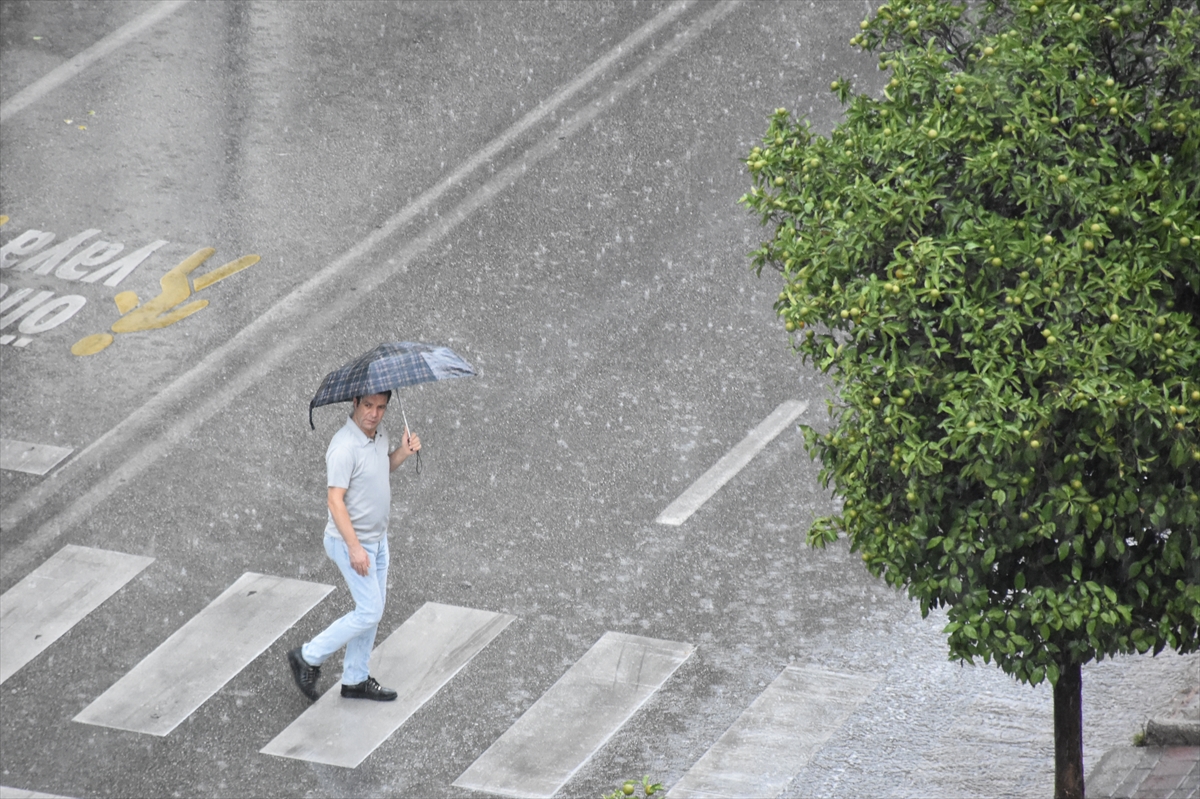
409, 443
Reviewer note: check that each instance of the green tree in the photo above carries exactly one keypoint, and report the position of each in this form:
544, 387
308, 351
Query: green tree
998, 264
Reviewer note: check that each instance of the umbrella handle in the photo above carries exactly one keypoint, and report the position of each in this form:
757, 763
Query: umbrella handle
407, 433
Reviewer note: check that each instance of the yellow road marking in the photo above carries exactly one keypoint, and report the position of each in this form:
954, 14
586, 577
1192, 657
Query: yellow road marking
164, 310
90, 345
222, 272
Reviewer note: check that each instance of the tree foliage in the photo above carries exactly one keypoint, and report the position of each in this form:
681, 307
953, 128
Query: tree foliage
998, 264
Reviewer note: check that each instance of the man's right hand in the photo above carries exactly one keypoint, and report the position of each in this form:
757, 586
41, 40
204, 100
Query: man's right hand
360, 561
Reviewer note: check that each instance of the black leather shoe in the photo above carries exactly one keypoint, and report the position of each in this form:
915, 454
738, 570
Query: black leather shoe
368, 689
306, 676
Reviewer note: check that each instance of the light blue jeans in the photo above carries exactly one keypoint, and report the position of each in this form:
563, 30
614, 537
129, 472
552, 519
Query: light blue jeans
355, 630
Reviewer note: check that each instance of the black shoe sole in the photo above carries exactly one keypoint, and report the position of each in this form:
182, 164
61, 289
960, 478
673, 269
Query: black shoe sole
298, 665
375, 697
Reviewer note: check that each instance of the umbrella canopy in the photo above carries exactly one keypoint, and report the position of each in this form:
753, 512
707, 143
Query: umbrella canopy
388, 367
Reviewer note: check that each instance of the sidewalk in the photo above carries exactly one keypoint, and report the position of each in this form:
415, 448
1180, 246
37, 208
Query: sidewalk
1168, 767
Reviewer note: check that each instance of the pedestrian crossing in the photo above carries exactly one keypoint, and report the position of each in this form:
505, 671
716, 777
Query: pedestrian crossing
776, 736
557, 735
22, 456
535, 757
420, 657
204, 654
56, 596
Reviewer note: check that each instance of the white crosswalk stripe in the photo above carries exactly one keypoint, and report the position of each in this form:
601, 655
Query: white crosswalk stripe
416, 660
538, 754
22, 456
200, 657
776, 736
55, 596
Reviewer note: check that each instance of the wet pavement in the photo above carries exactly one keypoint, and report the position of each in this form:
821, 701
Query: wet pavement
550, 189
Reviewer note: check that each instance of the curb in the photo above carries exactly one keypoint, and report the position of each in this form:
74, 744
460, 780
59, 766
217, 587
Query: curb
1172, 732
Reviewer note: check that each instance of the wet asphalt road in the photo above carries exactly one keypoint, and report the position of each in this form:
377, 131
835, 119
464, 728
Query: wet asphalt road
591, 263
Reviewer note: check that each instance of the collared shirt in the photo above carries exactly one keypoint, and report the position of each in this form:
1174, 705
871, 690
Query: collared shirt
360, 465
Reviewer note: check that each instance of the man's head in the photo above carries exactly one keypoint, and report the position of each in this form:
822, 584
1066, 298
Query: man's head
368, 411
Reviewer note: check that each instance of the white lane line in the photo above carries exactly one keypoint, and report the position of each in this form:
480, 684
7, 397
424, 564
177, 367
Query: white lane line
69, 69
204, 654
21, 793
776, 736
271, 340
542, 750
733, 462
420, 657
22, 456
55, 596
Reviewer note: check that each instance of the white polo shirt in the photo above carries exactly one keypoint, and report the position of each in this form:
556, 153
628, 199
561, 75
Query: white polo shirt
361, 466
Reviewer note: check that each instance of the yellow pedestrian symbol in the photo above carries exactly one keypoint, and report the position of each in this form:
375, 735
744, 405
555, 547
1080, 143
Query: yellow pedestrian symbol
167, 308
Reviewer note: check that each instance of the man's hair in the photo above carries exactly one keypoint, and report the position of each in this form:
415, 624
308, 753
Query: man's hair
387, 397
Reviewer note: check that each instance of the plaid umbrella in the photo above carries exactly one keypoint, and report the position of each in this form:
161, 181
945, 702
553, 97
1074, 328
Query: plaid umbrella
387, 367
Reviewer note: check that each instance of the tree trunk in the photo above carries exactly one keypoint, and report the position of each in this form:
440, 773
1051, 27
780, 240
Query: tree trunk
1068, 733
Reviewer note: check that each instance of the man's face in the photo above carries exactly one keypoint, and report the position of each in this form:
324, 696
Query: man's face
368, 413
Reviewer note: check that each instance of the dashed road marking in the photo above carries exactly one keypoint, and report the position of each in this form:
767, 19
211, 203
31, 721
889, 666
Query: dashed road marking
64, 72
776, 736
420, 657
55, 596
22, 456
201, 656
538, 754
733, 462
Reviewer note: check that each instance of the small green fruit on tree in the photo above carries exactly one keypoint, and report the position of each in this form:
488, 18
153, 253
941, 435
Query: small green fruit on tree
1010, 241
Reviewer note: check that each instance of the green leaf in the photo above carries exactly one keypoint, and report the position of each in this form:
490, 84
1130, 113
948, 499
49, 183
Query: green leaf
1052, 673
1179, 453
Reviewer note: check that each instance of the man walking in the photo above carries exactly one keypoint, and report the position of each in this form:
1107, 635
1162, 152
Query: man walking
359, 496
